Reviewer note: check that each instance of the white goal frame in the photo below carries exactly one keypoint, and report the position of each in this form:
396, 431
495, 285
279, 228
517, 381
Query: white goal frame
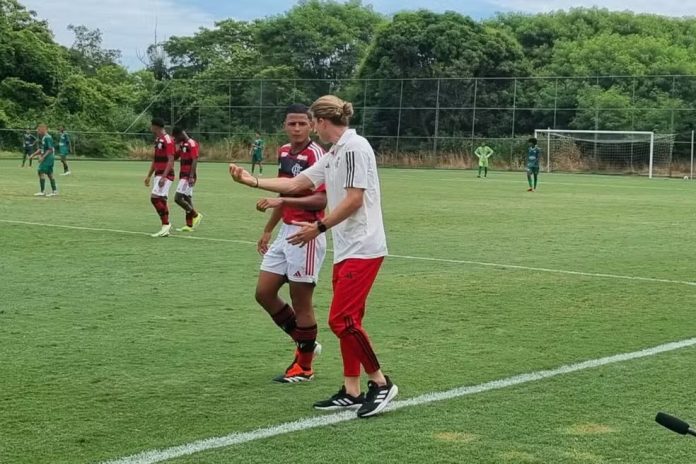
550, 132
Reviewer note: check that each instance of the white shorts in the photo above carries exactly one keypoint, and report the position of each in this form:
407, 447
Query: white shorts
184, 188
161, 191
299, 264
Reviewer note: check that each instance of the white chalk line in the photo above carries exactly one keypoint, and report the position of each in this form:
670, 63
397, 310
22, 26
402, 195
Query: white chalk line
160, 455
414, 258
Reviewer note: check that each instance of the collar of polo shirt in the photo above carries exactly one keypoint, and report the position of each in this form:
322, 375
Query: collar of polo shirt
344, 138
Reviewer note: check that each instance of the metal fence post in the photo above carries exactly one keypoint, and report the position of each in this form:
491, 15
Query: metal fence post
437, 120
398, 126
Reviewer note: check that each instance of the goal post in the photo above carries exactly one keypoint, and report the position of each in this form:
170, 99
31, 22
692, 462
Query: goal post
610, 152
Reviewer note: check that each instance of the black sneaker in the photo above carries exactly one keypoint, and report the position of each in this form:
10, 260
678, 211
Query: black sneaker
377, 398
340, 400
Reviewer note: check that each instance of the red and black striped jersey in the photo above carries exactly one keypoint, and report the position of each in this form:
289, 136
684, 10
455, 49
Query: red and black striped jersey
292, 164
164, 149
188, 151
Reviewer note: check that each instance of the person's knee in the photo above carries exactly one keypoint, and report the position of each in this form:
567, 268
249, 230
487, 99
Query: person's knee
263, 296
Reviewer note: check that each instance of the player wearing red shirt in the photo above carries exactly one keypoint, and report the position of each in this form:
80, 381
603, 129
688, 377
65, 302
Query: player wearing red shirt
163, 168
187, 154
297, 265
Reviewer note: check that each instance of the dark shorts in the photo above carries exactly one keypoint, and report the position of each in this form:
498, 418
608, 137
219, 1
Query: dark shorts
47, 169
533, 170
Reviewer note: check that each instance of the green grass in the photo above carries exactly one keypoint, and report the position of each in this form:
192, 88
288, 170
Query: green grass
114, 343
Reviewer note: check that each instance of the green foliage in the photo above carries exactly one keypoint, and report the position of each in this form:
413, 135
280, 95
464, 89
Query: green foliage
236, 77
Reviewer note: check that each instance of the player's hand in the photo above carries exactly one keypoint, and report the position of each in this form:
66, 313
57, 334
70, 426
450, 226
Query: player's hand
262, 244
241, 176
147, 181
191, 181
308, 232
162, 181
268, 203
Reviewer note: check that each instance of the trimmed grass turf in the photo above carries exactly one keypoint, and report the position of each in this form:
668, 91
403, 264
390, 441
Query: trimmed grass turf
114, 344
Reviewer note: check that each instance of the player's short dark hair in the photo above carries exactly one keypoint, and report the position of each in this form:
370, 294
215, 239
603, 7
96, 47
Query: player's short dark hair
159, 122
533, 140
298, 108
177, 131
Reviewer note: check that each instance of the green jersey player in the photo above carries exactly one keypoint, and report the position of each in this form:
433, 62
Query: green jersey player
483, 152
46, 156
533, 157
257, 154
64, 149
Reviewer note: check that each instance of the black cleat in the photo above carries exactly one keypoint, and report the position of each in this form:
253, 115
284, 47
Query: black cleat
340, 400
377, 398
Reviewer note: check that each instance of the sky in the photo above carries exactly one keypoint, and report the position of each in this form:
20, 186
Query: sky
129, 25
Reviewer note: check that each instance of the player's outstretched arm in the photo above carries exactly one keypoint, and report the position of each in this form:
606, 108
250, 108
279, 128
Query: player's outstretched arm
278, 185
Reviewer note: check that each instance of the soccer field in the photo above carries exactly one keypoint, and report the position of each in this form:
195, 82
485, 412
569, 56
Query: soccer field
114, 343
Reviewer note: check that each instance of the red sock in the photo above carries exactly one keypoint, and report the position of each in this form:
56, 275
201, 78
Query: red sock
164, 211
189, 219
306, 338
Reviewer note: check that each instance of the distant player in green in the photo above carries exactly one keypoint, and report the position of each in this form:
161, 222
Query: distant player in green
46, 155
64, 149
533, 157
29, 144
257, 154
483, 152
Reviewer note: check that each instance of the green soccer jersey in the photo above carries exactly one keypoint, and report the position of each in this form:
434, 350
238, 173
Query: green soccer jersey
64, 143
533, 156
48, 151
483, 153
29, 141
258, 149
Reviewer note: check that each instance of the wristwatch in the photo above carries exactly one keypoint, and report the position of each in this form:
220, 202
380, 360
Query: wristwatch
321, 227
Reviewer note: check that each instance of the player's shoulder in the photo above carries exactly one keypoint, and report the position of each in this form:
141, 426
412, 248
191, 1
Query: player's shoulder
167, 138
283, 150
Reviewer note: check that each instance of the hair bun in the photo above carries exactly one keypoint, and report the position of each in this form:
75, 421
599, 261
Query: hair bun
348, 109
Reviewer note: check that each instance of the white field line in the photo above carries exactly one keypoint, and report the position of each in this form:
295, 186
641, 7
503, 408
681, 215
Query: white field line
156, 456
545, 181
414, 258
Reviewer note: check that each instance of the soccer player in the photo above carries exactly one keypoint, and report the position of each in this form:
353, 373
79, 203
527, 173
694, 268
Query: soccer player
188, 175
163, 168
29, 143
64, 149
284, 262
533, 155
46, 156
349, 172
257, 154
483, 152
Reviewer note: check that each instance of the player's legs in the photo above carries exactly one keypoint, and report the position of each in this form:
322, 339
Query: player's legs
25, 156
536, 177
529, 179
53, 182
352, 282
42, 183
485, 171
184, 198
158, 198
479, 170
63, 159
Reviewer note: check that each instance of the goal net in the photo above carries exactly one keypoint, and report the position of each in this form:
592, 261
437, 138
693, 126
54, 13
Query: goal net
609, 152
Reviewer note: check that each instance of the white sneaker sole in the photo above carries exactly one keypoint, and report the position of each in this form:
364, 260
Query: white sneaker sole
382, 406
338, 408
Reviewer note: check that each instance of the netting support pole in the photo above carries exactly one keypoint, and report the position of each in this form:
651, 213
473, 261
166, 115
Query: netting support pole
437, 120
473, 117
691, 176
548, 151
398, 127
652, 154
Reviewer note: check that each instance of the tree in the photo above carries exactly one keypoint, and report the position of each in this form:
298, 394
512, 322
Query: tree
87, 52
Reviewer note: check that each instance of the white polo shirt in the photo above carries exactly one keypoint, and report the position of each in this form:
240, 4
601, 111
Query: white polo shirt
351, 163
